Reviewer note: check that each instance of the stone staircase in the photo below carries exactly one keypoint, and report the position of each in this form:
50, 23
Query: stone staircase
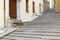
34, 33
45, 27
14, 22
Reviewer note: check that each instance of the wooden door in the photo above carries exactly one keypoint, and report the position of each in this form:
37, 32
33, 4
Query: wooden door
13, 9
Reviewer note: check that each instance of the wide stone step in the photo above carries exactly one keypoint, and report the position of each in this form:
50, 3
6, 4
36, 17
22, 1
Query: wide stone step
42, 28
33, 36
14, 21
20, 38
37, 33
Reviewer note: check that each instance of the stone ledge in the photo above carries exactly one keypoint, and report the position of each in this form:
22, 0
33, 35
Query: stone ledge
7, 32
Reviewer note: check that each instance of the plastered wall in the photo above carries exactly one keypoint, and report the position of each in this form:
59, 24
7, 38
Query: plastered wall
37, 2
6, 12
30, 6
22, 6
1, 13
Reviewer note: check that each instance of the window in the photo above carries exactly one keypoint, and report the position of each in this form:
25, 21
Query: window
33, 7
26, 5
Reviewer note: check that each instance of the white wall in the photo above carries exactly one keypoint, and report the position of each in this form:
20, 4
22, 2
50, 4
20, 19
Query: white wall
22, 6
51, 3
30, 6
6, 12
37, 2
1, 14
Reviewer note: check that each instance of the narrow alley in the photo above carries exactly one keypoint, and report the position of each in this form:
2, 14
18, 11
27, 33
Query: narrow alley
45, 27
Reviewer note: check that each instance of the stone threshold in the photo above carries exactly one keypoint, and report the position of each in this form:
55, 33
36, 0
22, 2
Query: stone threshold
7, 31
29, 19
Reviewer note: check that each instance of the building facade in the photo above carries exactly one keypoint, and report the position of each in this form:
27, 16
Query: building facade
24, 10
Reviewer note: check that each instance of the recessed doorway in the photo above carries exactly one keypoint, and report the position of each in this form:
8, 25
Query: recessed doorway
13, 9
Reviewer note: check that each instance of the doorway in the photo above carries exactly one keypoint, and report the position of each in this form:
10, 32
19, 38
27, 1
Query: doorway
13, 9
33, 7
27, 6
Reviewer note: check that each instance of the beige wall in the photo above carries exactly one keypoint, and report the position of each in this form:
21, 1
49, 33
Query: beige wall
1, 13
22, 6
6, 12
37, 2
42, 6
36, 7
30, 7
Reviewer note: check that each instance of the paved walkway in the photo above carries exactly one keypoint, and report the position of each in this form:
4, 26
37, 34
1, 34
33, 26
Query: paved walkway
45, 27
